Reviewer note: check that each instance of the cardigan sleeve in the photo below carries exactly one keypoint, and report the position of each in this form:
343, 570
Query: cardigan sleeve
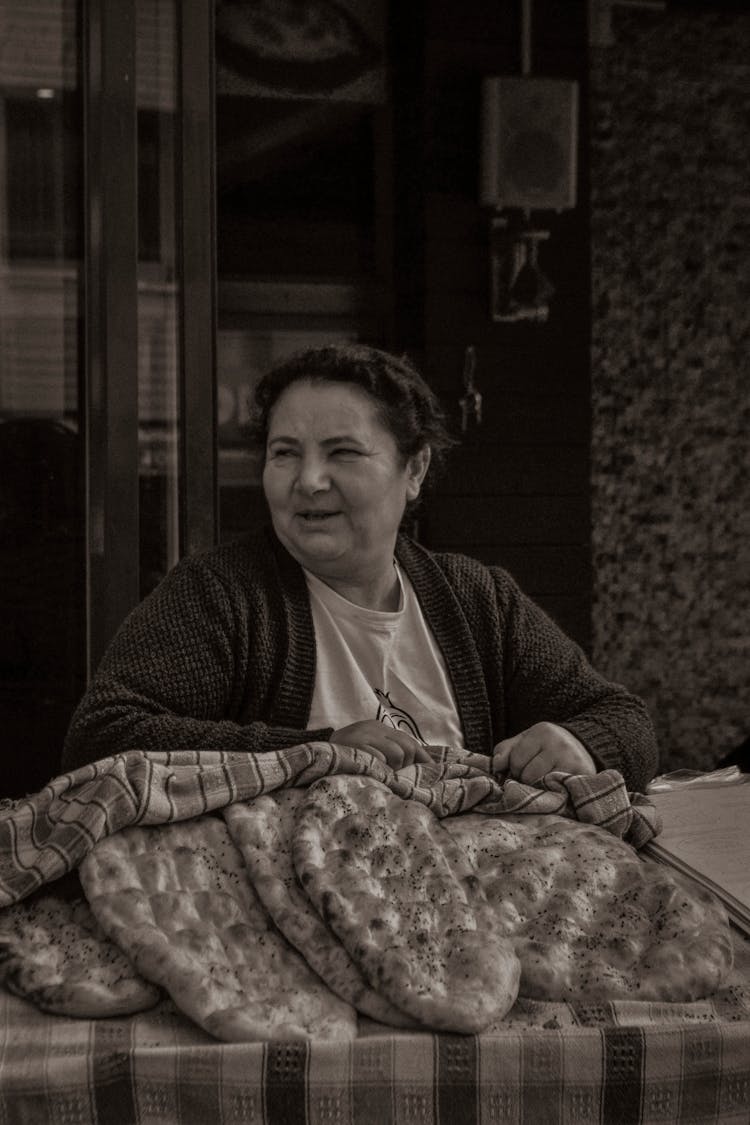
548, 678
192, 667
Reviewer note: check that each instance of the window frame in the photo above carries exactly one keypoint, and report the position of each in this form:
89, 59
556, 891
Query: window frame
110, 390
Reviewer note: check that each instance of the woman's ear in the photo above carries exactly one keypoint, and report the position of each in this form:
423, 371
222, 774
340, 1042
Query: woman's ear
416, 469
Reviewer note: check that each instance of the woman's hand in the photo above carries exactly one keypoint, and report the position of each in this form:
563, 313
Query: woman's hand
540, 749
394, 747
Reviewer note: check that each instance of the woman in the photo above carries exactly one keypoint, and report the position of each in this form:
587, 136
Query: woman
333, 625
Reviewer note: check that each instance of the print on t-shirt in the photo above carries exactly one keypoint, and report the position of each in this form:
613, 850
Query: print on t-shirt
394, 716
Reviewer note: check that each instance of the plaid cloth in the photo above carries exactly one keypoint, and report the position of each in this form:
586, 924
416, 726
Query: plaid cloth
46, 835
600, 1068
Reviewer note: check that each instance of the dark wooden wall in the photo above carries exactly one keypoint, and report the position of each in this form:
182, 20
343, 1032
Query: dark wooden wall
517, 492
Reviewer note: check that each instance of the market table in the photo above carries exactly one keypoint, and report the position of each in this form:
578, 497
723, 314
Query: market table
623, 1062
606, 1063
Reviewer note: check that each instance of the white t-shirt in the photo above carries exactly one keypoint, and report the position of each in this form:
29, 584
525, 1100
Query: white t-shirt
380, 665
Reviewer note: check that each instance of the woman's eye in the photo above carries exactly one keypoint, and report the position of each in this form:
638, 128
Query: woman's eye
278, 454
343, 452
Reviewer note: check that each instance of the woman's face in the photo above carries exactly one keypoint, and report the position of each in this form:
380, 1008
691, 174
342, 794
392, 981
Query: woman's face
334, 480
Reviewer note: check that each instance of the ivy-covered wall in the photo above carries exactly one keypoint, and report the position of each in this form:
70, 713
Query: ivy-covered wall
670, 188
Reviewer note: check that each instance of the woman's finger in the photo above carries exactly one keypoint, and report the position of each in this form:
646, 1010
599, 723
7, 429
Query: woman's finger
512, 755
395, 747
542, 763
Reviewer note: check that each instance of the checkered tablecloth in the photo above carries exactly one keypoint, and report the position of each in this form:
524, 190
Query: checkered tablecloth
611, 1064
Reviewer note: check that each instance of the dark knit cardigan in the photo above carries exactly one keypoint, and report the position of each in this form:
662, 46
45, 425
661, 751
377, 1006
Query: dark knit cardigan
221, 656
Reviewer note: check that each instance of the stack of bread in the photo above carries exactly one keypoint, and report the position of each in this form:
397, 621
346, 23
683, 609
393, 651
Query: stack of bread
293, 913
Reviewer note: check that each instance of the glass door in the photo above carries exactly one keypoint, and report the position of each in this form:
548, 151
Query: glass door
107, 462
176, 283
42, 506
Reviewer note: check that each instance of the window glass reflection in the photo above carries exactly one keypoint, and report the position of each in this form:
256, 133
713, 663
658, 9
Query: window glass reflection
301, 126
42, 523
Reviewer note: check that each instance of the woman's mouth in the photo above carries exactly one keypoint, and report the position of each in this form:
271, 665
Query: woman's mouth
316, 517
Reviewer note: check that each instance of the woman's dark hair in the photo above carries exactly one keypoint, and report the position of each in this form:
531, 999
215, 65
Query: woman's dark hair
406, 406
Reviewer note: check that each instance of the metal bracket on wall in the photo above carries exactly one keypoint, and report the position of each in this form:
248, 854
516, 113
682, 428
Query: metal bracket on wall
518, 288
471, 400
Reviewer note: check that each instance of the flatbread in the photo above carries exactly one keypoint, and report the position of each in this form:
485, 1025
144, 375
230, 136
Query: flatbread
178, 898
589, 918
391, 883
53, 953
263, 830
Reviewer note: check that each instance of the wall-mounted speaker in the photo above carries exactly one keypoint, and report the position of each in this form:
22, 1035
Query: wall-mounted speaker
529, 143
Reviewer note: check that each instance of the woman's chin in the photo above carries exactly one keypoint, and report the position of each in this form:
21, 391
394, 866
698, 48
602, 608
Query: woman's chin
320, 547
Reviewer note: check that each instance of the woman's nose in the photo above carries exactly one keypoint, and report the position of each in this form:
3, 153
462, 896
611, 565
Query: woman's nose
312, 475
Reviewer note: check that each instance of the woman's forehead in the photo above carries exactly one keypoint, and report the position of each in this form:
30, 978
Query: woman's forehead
322, 410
